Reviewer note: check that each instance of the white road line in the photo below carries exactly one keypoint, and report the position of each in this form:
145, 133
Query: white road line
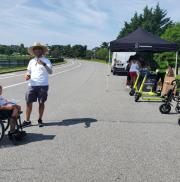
67, 70
9, 86
21, 83
9, 74
7, 77
72, 63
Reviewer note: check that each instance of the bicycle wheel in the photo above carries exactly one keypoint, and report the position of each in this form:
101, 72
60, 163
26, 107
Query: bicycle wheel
1, 131
165, 108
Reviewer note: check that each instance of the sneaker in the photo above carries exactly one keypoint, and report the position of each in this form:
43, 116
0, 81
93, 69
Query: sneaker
26, 123
40, 123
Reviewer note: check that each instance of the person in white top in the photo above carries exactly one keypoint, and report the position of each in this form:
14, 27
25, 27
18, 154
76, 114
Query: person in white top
134, 69
38, 71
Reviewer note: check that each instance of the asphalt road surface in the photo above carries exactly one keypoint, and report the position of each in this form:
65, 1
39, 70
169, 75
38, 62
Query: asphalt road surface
91, 135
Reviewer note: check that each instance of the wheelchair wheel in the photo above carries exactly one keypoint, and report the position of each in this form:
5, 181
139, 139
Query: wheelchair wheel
177, 109
165, 108
1, 131
6, 125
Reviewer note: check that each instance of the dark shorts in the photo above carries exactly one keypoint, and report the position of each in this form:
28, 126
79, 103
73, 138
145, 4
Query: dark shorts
35, 93
4, 114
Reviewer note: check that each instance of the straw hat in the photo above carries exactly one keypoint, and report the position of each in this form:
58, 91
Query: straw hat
37, 45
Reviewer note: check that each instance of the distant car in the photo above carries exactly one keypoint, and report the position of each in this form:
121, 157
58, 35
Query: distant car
120, 62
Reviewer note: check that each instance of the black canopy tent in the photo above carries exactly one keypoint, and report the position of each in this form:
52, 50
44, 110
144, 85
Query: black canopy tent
143, 41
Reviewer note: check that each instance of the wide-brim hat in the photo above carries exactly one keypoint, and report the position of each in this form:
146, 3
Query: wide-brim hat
37, 45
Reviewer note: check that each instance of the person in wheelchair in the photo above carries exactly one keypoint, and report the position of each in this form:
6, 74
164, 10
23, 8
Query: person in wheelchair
11, 111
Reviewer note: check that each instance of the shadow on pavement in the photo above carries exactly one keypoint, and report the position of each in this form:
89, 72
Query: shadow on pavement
29, 138
173, 113
68, 122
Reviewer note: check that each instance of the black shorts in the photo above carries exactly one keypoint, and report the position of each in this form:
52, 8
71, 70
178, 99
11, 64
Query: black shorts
35, 93
4, 114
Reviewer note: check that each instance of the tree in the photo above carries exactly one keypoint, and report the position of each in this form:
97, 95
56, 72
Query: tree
171, 34
104, 45
152, 20
79, 51
102, 53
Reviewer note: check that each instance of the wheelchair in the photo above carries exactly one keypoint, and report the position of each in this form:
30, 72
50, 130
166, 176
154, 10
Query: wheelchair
172, 95
5, 123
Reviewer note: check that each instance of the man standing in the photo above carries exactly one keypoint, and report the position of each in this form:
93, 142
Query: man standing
37, 75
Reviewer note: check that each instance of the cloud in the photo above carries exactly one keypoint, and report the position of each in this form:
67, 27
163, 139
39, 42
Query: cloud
87, 22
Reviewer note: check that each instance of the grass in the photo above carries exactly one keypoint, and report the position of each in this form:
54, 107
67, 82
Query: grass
14, 69
178, 77
21, 68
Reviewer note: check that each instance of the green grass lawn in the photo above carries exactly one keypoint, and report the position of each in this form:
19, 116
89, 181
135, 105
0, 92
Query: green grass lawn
178, 77
14, 69
21, 68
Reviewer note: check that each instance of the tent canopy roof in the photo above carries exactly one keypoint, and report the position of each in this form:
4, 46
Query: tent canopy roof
142, 41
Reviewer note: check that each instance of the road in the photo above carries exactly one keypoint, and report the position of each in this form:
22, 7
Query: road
91, 135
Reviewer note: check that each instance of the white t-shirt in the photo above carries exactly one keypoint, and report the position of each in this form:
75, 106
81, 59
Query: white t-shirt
39, 74
134, 67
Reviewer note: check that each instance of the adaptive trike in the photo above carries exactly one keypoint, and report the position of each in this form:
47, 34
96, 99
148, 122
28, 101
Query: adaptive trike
147, 89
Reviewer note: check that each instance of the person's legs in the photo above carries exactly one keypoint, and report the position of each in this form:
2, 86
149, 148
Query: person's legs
12, 124
14, 130
15, 112
128, 82
27, 122
133, 78
31, 96
42, 97
41, 110
28, 111
18, 107
131, 82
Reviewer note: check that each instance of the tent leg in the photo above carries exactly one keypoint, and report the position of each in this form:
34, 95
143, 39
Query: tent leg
108, 72
176, 66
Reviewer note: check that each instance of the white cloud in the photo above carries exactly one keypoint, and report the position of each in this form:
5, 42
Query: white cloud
72, 21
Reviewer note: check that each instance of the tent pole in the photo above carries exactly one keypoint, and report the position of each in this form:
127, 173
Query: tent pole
176, 66
108, 71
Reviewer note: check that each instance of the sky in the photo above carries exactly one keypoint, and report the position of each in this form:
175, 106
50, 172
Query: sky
86, 22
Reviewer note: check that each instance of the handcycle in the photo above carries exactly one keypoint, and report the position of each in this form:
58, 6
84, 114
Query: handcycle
147, 88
